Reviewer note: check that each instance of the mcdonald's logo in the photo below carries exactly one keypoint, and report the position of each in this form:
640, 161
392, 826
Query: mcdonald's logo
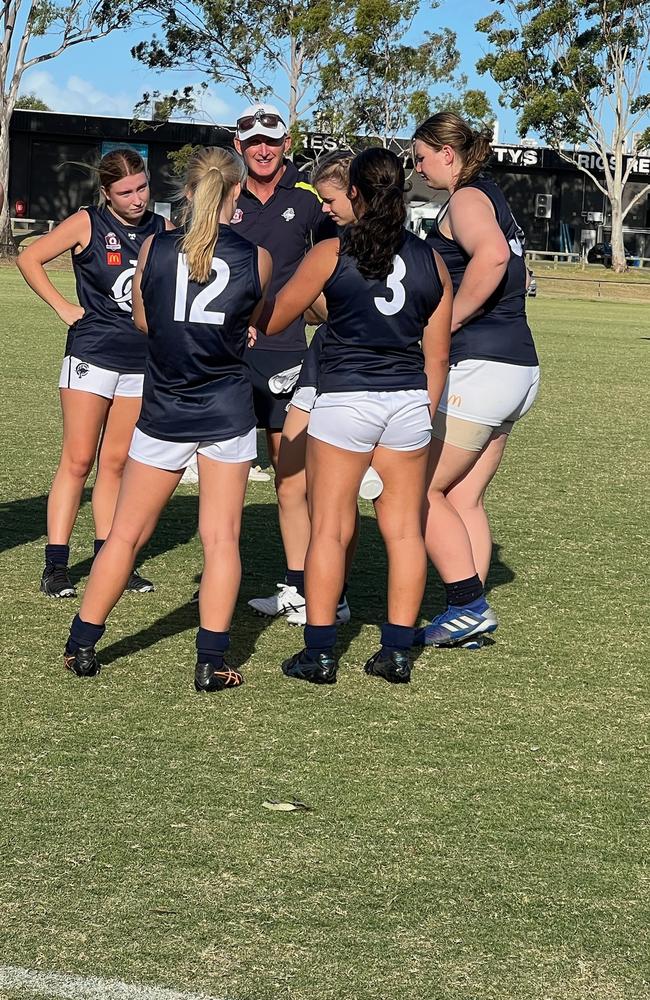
455, 400
114, 258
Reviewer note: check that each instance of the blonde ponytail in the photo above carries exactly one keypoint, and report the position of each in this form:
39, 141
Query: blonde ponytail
210, 177
448, 129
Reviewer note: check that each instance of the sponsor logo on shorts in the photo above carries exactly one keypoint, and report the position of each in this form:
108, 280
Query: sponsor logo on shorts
82, 369
237, 217
288, 215
455, 400
114, 258
113, 242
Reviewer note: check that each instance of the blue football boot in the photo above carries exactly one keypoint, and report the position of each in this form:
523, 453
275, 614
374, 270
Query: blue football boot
458, 627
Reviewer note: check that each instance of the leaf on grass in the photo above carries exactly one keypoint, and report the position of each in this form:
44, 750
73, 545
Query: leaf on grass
293, 806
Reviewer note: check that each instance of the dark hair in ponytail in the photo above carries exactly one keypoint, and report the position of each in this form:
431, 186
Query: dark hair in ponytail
448, 129
378, 176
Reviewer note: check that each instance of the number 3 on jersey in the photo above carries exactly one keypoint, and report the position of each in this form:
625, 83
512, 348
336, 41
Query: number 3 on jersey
199, 313
394, 283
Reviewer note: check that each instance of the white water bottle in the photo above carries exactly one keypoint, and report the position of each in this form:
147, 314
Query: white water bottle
371, 485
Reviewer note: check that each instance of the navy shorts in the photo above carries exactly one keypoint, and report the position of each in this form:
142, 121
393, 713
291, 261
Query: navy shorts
270, 409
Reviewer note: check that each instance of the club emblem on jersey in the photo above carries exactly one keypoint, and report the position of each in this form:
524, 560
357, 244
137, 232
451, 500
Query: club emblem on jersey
82, 369
288, 215
122, 287
237, 217
113, 258
113, 242
132, 236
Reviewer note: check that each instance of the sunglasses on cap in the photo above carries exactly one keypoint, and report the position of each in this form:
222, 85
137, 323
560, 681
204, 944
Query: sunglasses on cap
264, 118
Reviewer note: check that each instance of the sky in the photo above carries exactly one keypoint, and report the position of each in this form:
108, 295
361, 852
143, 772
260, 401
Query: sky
102, 78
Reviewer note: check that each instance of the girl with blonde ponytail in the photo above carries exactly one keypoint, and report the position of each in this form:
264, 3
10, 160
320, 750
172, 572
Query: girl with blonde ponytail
494, 371
195, 293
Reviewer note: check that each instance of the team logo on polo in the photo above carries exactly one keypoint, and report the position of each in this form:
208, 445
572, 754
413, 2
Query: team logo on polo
122, 286
113, 242
82, 369
237, 217
288, 215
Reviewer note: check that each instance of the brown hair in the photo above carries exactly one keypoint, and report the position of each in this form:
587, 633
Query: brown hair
378, 176
335, 168
116, 165
210, 176
448, 129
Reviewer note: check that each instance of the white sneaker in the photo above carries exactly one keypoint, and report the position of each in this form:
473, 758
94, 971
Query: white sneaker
287, 600
257, 475
300, 617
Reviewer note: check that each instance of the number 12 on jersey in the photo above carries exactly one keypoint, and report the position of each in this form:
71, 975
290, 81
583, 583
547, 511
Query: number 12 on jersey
199, 313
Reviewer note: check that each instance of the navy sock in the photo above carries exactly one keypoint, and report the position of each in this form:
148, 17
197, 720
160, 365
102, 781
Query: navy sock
396, 637
97, 544
464, 592
296, 578
319, 639
211, 647
57, 554
83, 634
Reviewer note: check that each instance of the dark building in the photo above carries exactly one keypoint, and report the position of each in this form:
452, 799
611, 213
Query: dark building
558, 206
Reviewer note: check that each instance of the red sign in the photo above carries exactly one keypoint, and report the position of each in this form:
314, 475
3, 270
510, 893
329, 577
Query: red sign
114, 259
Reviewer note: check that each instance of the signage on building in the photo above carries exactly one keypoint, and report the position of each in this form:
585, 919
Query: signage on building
525, 156
515, 157
140, 147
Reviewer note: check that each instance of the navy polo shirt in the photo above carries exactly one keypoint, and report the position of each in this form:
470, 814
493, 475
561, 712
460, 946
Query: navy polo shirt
287, 225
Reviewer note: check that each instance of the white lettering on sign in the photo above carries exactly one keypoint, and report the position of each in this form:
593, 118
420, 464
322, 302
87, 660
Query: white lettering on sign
516, 155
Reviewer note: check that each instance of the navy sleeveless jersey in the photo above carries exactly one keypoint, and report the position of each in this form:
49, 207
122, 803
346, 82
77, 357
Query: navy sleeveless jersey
106, 335
308, 378
196, 384
374, 328
501, 332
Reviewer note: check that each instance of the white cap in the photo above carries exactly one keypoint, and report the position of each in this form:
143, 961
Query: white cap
257, 128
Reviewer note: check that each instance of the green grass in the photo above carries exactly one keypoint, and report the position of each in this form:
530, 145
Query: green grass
475, 836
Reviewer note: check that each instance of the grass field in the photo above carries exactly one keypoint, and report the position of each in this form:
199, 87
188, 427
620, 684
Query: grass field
478, 835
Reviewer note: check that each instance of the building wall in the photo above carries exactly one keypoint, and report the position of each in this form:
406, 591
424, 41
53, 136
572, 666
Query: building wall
48, 153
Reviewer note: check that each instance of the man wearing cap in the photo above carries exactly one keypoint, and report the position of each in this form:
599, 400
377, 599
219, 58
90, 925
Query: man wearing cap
282, 213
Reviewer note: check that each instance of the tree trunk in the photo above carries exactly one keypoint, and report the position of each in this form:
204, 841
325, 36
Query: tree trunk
7, 245
619, 263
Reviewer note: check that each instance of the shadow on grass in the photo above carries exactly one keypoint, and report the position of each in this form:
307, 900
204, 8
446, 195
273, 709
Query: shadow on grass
22, 521
176, 527
261, 552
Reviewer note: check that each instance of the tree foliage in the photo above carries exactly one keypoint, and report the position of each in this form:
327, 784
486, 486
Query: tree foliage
30, 102
575, 71
377, 84
249, 43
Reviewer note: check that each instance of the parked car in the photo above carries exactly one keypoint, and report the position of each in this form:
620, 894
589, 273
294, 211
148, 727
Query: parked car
601, 253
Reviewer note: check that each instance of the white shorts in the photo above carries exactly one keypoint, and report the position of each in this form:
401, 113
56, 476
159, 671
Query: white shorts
304, 398
480, 397
174, 456
489, 392
359, 421
76, 374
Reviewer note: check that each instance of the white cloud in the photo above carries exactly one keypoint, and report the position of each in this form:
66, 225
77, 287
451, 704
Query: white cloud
79, 96
76, 95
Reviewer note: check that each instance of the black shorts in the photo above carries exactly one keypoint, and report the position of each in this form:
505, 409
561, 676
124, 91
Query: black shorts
270, 410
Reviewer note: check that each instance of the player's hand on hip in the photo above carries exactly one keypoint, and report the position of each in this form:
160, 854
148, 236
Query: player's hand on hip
70, 313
